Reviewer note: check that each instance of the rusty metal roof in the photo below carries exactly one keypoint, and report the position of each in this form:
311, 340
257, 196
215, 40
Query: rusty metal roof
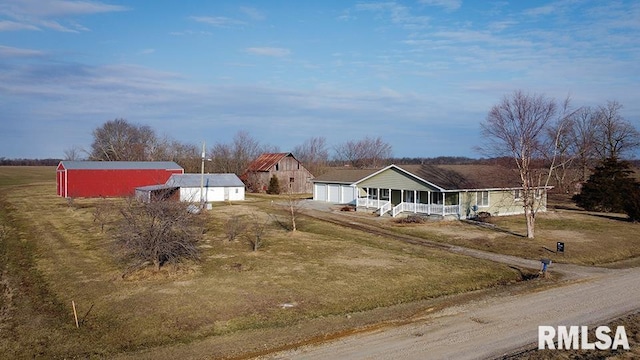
265, 161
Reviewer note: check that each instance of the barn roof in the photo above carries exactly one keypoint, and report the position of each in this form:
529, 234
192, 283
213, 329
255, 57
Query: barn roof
265, 161
210, 180
120, 165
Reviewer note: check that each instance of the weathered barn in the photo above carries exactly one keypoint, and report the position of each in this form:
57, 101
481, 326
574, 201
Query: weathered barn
110, 178
292, 175
215, 187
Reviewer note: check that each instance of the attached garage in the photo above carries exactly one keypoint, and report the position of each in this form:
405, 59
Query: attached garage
336, 186
110, 178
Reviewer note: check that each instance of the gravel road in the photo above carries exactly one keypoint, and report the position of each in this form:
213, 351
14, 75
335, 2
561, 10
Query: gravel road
495, 326
490, 328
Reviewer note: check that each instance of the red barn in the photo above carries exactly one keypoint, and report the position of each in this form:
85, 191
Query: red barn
111, 178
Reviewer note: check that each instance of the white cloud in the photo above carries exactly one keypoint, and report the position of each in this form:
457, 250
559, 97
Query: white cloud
36, 15
7, 25
8, 51
219, 21
253, 13
449, 5
146, 51
269, 51
397, 13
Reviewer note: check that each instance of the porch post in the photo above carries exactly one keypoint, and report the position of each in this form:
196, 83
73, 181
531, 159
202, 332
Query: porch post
378, 192
428, 202
415, 201
443, 203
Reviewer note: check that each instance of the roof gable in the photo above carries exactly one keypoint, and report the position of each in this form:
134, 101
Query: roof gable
393, 174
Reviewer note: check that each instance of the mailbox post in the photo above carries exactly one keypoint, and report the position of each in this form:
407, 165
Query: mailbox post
560, 247
545, 263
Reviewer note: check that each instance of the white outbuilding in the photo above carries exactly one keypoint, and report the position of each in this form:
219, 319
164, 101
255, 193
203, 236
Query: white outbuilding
216, 187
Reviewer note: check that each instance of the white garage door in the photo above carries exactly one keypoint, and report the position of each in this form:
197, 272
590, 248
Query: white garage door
334, 193
320, 192
348, 194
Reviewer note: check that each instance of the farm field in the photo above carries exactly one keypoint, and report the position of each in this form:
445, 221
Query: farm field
320, 282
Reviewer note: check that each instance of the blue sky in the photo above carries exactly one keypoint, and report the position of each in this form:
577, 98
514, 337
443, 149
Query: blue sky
420, 74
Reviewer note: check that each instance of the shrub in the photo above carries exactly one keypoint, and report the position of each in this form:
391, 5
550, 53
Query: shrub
411, 219
274, 186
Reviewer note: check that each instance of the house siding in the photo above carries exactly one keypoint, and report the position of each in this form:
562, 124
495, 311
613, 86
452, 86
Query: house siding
501, 202
394, 179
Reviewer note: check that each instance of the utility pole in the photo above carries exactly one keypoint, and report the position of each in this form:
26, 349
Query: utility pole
202, 177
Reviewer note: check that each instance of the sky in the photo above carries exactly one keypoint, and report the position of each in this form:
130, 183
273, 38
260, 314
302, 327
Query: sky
420, 74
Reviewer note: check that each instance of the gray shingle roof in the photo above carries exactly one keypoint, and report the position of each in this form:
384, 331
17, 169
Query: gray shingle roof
120, 165
346, 176
448, 177
210, 180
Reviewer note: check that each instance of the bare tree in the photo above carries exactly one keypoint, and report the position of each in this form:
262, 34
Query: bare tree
294, 205
186, 155
313, 153
73, 153
583, 134
516, 128
235, 156
615, 136
234, 227
364, 153
158, 232
257, 229
118, 140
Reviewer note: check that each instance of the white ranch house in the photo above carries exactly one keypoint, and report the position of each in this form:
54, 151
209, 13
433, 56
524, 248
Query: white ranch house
460, 191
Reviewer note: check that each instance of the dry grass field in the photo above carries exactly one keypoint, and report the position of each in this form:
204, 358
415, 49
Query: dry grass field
319, 281
590, 238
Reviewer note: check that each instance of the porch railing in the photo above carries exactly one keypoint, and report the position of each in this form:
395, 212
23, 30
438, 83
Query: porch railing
369, 202
383, 206
428, 209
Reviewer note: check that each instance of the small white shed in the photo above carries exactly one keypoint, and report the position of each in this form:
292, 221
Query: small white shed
216, 187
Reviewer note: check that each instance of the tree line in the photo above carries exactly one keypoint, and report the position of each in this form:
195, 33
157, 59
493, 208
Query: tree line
120, 140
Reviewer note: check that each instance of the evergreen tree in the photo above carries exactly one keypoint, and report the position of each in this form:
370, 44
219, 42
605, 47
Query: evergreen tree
274, 186
610, 188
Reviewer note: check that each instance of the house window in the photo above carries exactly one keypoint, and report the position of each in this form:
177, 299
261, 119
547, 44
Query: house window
291, 179
538, 193
277, 166
482, 198
236, 191
517, 194
384, 194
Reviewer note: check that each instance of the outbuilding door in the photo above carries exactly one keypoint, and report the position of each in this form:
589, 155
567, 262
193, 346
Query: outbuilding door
334, 193
320, 192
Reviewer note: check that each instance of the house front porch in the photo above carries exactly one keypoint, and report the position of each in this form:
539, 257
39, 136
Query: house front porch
397, 201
